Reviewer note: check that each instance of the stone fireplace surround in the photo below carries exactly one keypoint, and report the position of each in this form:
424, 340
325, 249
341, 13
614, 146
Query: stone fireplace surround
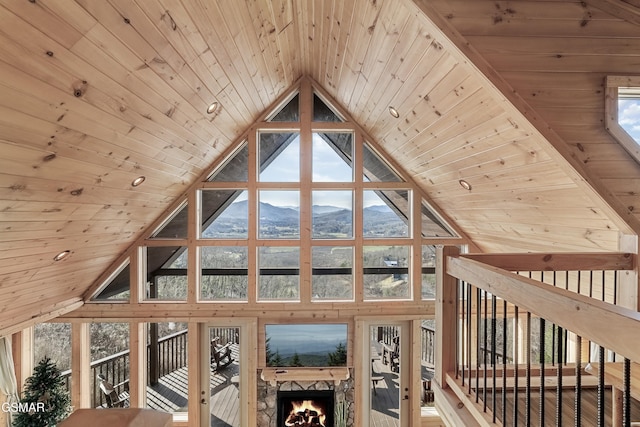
268, 395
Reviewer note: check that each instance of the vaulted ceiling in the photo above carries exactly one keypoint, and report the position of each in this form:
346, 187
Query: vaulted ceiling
505, 95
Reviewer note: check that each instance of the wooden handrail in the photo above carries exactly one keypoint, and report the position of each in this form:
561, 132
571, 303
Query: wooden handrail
613, 327
558, 262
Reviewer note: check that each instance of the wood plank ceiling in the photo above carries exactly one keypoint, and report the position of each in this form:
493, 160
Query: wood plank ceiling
96, 93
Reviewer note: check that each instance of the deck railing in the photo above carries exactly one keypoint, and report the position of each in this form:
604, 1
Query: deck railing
172, 355
548, 333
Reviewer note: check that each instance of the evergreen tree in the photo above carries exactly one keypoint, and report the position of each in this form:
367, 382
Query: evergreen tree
338, 357
295, 360
276, 360
44, 389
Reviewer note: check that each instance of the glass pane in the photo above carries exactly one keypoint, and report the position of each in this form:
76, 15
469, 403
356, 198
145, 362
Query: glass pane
375, 169
386, 213
224, 273
428, 272
279, 273
322, 112
385, 389
166, 273
118, 288
109, 343
279, 157
224, 214
53, 341
386, 272
428, 360
279, 213
332, 273
332, 157
225, 377
432, 226
167, 367
236, 169
297, 345
332, 214
290, 112
175, 227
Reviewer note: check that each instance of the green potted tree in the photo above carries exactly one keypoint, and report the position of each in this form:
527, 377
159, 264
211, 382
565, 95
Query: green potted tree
45, 400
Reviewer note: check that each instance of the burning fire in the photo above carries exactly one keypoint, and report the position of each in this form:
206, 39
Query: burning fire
306, 414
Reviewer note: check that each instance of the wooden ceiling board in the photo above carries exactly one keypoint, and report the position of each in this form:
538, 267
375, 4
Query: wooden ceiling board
94, 94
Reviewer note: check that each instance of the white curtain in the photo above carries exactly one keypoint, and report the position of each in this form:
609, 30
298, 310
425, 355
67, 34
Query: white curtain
8, 383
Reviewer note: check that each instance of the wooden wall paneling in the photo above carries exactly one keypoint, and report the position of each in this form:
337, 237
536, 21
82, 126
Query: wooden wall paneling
242, 27
414, 48
386, 36
415, 99
219, 40
342, 17
356, 51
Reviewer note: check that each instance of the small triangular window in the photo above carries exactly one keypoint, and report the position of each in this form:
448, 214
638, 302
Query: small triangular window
376, 169
117, 286
235, 169
290, 112
322, 112
175, 226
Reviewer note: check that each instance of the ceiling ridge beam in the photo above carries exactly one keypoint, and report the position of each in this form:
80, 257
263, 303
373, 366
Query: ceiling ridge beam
513, 103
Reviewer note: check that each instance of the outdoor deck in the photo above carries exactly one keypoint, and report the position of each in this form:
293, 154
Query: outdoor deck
170, 394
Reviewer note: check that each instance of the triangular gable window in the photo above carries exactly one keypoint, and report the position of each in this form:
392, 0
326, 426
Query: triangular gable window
117, 286
235, 169
432, 225
290, 112
375, 169
322, 112
297, 204
175, 227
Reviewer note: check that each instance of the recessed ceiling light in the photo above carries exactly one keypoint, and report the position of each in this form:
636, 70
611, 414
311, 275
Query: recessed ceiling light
139, 180
464, 184
213, 107
62, 255
394, 112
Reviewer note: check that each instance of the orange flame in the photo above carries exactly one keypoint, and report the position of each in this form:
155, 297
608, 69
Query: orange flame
305, 406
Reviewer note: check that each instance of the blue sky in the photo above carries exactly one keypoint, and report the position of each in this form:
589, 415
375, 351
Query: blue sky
629, 117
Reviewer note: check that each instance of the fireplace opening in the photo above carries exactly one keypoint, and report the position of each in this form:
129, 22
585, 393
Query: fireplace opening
310, 408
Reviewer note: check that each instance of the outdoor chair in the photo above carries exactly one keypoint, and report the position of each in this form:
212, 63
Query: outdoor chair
391, 354
220, 354
116, 396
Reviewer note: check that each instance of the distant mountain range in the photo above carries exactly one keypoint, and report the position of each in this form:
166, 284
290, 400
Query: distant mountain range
379, 220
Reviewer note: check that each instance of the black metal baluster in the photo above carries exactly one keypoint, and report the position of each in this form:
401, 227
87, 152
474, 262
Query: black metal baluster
493, 356
577, 407
460, 342
542, 373
559, 380
469, 296
601, 386
626, 396
516, 360
484, 353
458, 331
527, 405
505, 337
478, 346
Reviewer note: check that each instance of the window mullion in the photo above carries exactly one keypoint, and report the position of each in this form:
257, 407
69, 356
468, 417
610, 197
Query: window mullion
305, 191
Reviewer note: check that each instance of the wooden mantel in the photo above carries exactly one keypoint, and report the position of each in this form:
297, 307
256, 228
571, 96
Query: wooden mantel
273, 375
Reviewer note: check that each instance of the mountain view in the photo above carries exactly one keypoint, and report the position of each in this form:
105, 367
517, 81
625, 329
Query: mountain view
328, 222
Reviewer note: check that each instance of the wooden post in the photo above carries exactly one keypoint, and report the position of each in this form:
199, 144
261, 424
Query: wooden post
628, 295
80, 365
616, 412
137, 367
198, 394
446, 315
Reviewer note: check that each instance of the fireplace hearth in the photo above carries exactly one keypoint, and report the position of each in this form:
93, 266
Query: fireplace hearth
305, 408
